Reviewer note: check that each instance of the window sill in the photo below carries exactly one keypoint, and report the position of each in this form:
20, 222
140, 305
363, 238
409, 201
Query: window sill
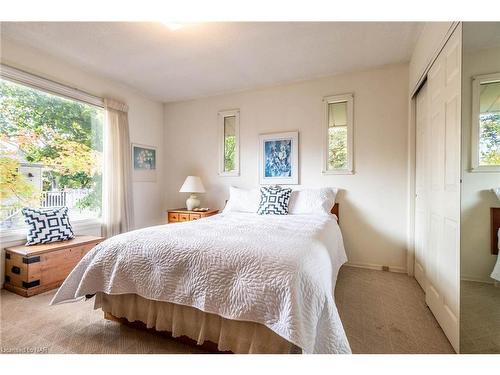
338, 171
229, 174
14, 235
486, 169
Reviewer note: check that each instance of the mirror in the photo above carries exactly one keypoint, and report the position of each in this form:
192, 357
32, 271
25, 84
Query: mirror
480, 207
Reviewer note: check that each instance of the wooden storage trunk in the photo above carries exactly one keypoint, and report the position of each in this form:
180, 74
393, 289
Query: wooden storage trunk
31, 270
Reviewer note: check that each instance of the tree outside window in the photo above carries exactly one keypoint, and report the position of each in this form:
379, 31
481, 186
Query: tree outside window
50, 153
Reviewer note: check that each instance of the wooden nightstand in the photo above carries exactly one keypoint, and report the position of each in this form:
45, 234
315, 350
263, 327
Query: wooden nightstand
183, 214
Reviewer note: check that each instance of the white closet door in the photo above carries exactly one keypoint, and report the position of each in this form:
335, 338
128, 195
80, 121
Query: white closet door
421, 186
442, 258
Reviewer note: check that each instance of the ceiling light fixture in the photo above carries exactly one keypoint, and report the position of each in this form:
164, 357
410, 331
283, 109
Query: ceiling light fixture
174, 25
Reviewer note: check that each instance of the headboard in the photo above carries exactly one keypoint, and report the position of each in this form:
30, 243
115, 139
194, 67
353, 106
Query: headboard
335, 211
495, 224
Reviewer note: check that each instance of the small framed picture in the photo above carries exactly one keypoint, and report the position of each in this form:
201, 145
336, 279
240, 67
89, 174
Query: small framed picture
143, 162
279, 158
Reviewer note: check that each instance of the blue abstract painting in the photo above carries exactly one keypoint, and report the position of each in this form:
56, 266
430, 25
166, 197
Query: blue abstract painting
278, 158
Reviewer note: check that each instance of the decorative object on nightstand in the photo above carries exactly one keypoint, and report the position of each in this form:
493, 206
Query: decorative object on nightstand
182, 214
192, 185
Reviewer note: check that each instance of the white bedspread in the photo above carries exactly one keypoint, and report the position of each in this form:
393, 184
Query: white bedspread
279, 271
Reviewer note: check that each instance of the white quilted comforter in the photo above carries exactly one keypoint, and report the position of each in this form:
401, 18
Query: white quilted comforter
279, 271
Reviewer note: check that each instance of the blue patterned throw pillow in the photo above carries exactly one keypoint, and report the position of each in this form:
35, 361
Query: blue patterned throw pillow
274, 200
47, 225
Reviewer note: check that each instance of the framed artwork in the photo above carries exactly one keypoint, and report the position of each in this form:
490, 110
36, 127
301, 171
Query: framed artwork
143, 162
279, 158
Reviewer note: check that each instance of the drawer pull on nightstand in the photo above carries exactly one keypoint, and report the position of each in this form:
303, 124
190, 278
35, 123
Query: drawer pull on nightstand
15, 270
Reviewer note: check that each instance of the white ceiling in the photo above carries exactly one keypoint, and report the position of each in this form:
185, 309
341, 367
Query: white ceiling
213, 58
480, 35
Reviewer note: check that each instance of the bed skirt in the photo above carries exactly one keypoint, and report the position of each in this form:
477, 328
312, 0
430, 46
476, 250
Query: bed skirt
229, 335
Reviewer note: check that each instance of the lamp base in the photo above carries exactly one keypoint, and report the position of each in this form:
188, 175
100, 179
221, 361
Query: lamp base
192, 202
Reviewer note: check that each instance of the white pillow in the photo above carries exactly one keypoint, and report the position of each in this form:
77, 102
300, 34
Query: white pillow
243, 200
312, 201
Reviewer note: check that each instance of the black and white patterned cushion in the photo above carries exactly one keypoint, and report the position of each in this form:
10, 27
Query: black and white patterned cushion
274, 200
47, 225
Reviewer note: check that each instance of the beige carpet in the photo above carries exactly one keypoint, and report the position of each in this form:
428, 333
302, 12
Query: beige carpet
385, 312
479, 318
382, 312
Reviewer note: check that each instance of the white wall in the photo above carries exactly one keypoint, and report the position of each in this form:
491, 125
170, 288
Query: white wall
145, 120
430, 40
373, 202
476, 259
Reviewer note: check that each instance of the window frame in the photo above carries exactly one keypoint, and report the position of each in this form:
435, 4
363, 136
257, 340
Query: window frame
36, 82
39, 83
221, 119
332, 99
477, 81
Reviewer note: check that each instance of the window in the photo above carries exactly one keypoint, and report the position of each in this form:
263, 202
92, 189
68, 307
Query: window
486, 123
338, 128
229, 133
50, 150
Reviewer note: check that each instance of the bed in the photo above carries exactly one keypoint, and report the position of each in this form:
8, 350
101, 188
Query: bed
249, 283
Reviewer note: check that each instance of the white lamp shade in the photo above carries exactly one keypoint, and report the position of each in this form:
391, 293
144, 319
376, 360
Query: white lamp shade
192, 184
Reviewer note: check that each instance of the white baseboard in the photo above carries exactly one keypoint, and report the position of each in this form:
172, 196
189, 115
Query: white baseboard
478, 279
377, 267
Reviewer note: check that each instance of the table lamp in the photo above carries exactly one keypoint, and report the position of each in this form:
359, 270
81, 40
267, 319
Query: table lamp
192, 185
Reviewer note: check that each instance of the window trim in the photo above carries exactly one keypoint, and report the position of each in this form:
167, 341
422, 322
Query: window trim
24, 78
476, 83
34, 81
221, 116
349, 99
